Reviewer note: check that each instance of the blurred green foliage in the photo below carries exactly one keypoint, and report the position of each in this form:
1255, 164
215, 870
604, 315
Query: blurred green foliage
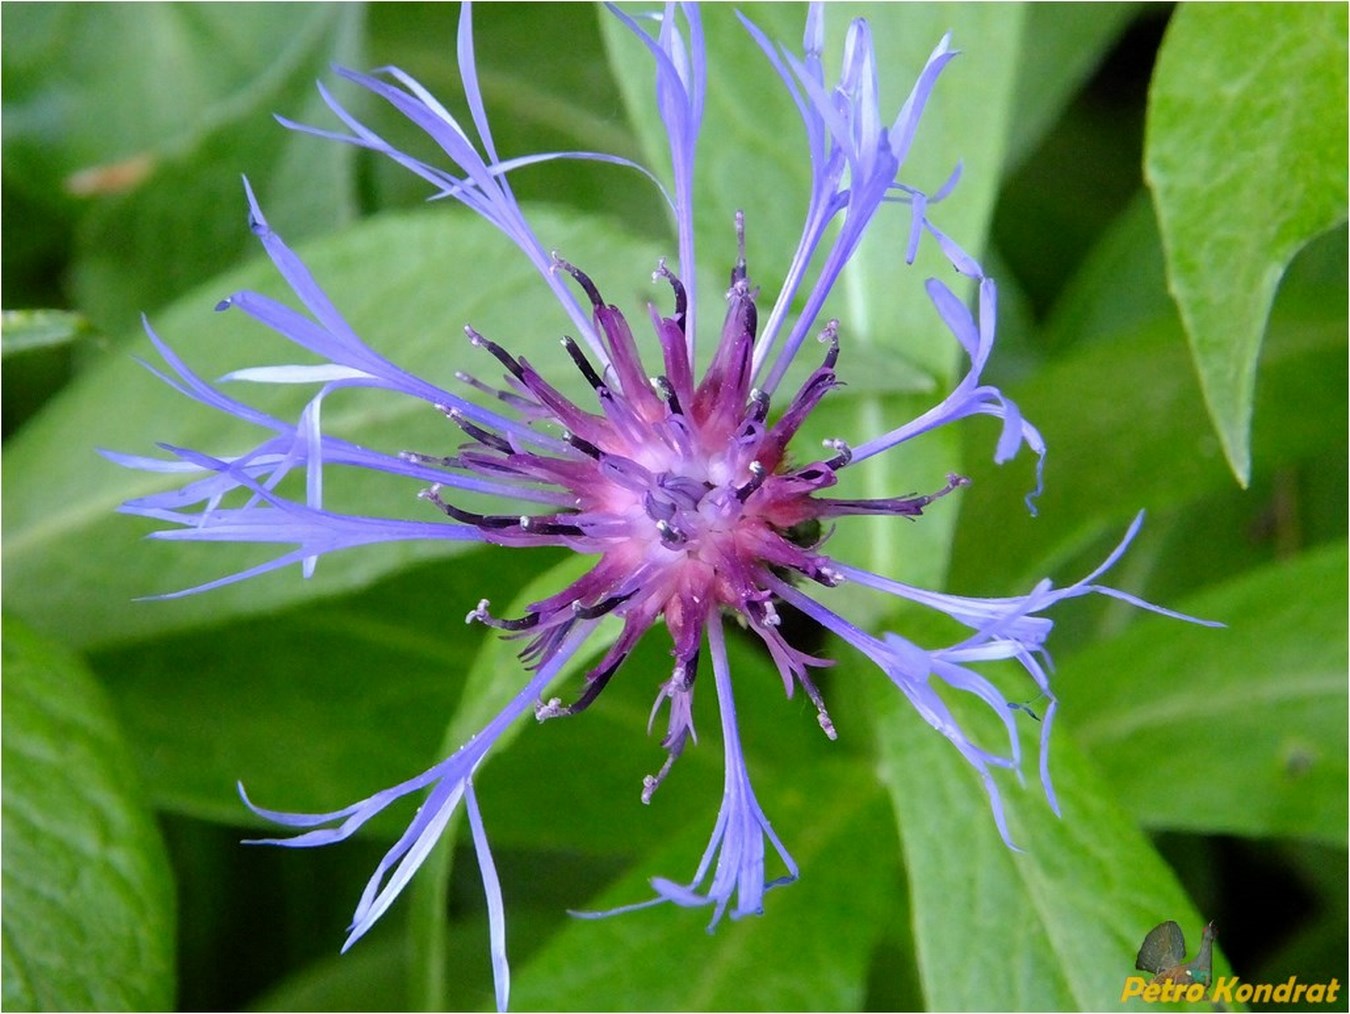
1202, 773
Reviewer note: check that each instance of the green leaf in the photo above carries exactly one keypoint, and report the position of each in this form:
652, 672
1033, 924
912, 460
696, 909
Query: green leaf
1122, 417
1119, 288
540, 96
146, 154
372, 977
29, 330
1246, 157
73, 566
1062, 44
1055, 927
39, 347
809, 951
311, 708
89, 908
1238, 731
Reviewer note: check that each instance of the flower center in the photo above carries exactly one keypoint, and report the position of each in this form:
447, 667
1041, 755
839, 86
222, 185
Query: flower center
683, 491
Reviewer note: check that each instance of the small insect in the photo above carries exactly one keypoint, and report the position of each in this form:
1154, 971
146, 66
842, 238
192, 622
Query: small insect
1164, 953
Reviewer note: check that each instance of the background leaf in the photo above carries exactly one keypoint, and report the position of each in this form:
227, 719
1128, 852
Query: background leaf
295, 705
541, 97
1061, 46
1054, 927
39, 347
32, 330
77, 553
88, 916
808, 951
1121, 413
147, 172
1268, 695
1246, 158
811, 947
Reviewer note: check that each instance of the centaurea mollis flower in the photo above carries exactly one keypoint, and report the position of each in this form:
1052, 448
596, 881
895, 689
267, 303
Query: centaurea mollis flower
686, 486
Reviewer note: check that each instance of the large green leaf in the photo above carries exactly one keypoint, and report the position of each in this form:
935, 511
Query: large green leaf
1062, 44
539, 96
1054, 927
809, 951
1246, 157
314, 707
147, 153
1122, 416
72, 566
88, 909
1240, 731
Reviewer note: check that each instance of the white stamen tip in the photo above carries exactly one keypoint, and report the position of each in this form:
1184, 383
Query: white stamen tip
553, 709
827, 725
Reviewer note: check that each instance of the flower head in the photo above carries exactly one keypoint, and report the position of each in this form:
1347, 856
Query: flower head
689, 488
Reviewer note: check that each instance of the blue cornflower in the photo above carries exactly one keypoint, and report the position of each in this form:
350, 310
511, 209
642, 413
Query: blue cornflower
683, 488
